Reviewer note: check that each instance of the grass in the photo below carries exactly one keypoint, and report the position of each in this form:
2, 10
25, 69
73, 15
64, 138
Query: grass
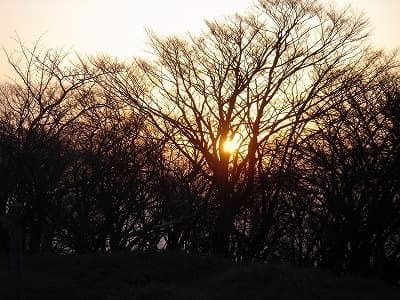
177, 276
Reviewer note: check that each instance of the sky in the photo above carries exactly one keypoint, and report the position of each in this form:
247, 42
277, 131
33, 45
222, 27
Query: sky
117, 27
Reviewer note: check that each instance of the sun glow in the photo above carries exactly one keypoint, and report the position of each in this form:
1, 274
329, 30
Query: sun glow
231, 144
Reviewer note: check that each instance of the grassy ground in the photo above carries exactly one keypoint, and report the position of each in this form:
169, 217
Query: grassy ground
176, 276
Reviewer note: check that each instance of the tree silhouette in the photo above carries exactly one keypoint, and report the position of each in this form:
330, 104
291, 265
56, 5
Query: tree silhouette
353, 156
43, 100
272, 135
259, 78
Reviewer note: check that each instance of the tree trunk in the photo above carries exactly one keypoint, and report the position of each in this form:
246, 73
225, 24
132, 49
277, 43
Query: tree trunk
224, 224
35, 235
4, 237
16, 249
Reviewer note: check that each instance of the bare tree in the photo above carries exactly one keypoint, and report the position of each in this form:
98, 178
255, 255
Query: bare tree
251, 80
351, 160
49, 93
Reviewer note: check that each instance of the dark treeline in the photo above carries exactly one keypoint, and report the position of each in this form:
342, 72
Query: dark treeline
98, 155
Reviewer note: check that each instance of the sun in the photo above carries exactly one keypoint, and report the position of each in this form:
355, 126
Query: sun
231, 144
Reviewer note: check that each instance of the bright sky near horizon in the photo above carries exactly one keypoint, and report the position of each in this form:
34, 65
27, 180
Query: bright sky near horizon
117, 27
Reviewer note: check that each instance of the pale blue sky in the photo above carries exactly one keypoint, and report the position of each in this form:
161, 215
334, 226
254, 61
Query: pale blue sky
117, 26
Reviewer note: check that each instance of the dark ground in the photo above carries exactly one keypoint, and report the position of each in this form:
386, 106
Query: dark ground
176, 276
